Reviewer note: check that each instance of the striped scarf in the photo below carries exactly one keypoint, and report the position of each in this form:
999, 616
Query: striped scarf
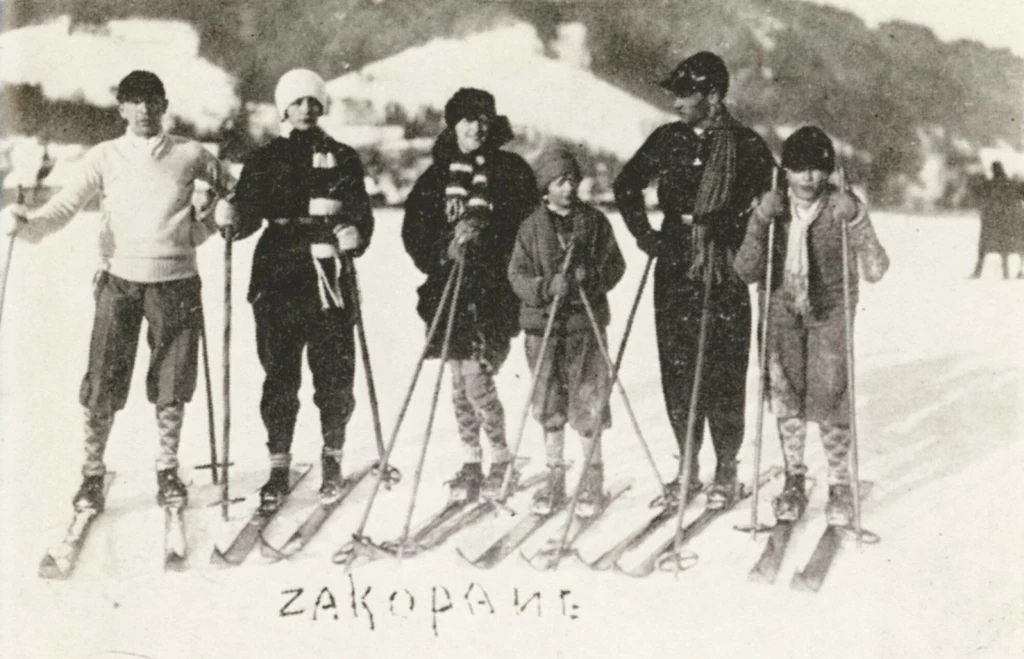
467, 196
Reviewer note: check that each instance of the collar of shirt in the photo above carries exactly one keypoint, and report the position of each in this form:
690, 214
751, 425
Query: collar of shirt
150, 145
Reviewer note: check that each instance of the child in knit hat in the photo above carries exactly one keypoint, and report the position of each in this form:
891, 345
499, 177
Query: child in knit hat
806, 333
574, 381
308, 189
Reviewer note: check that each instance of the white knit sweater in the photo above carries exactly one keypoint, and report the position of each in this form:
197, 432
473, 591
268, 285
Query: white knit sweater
148, 232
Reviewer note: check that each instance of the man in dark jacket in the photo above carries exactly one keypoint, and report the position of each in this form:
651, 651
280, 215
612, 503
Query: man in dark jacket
468, 206
309, 189
709, 169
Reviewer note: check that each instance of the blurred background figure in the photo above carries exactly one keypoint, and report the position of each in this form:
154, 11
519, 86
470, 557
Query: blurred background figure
1002, 221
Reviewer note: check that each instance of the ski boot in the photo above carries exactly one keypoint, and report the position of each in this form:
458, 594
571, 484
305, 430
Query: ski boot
331, 484
274, 491
90, 495
839, 509
465, 486
791, 504
552, 494
725, 490
491, 486
671, 496
591, 497
170, 490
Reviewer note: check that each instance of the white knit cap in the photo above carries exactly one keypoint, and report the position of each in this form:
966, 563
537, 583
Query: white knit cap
296, 84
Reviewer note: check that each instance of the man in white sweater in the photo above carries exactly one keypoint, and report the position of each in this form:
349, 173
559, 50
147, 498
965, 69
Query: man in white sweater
148, 236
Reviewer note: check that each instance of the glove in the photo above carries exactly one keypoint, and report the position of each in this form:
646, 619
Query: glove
224, 214
348, 238
558, 286
771, 206
12, 217
651, 243
846, 207
579, 273
465, 232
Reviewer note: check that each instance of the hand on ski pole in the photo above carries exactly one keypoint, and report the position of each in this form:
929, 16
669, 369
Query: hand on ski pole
225, 217
558, 287
12, 217
465, 233
651, 243
771, 206
348, 238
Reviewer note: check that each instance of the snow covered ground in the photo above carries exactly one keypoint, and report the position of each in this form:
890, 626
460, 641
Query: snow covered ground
940, 382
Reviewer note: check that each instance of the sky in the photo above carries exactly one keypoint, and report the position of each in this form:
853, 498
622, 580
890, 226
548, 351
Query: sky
996, 23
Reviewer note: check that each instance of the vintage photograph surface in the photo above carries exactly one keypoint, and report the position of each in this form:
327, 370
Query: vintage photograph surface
597, 328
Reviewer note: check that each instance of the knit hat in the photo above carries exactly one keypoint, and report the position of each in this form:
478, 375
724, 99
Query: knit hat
808, 148
555, 161
469, 103
138, 85
702, 72
296, 84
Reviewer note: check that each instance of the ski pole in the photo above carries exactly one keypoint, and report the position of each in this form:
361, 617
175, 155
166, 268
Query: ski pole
20, 199
763, 374
393, 475
360, 530
225, 497
606, 395
848, 317
691, 419
445, 345
506, 483
211, 424
614, 367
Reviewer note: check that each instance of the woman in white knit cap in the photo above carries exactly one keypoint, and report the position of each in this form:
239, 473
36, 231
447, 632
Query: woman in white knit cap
309, 190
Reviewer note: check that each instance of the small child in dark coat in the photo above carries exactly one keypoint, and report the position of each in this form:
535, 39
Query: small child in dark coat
574, 380
807, 366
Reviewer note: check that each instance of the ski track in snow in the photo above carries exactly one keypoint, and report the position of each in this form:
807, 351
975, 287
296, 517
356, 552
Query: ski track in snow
940, 386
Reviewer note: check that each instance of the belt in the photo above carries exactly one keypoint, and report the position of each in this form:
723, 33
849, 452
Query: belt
305, 220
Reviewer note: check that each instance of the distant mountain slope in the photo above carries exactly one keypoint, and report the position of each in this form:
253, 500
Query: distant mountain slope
792, 62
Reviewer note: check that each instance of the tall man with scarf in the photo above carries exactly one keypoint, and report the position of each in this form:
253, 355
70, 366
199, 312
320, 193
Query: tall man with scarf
309, 189
468, 206
709, 169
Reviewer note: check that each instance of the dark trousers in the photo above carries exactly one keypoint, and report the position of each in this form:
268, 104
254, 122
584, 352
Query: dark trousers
677, 311
282, 331
173, 311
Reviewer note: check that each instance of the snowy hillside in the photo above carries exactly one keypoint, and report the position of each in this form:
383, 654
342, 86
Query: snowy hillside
553, 96
941, 388
86, 64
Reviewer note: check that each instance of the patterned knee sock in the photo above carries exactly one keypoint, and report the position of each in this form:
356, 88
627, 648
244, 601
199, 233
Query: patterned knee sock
793, 435
554, 447
836, 440
168, 420
97, 432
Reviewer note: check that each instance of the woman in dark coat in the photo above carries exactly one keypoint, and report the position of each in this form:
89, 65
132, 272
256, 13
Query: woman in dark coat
468, 206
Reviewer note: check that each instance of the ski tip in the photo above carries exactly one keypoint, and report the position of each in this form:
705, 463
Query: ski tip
463, 559
174, 563
220, 559
50, 569
801, 584
272, 553
757, 576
